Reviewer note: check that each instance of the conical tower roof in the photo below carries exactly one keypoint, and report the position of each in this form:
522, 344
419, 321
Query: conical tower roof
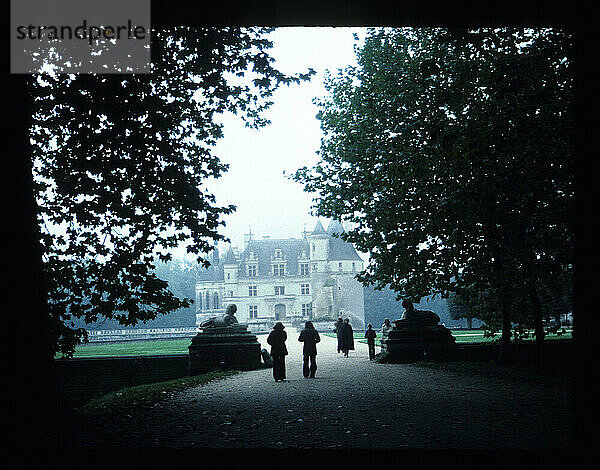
230, 257
318, 228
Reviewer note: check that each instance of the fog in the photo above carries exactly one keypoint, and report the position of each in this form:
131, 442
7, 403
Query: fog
268, 202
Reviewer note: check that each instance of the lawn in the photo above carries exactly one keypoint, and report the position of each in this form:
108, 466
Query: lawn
180, 345
462, 336
134, 348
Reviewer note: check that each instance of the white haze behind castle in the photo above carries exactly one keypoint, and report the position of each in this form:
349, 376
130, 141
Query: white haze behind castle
268, 202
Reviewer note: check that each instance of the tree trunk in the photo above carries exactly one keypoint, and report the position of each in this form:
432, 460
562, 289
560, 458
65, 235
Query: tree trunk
505, 344
469, 323
505, 301
539, 328
31, 360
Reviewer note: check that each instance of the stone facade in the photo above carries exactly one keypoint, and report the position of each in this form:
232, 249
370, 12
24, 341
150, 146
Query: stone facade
285, 280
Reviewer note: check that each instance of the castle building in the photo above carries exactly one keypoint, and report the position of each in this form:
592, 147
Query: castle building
310, 278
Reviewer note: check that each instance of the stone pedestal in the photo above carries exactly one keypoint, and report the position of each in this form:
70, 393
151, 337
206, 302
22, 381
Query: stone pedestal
410, 341
230, 347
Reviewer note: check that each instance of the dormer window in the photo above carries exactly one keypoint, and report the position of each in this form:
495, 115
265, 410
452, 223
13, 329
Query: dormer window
278, 253
252, 270
278, 269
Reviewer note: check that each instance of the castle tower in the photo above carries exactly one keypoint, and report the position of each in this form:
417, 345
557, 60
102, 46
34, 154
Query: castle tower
319, 247
230, 268
322, 288
344, 264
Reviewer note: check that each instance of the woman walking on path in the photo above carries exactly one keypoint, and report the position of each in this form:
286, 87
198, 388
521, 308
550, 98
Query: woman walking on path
277, 339
347, 337
370, 334
310, 337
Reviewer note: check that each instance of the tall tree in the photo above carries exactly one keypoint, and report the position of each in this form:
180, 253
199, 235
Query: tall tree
120, 164
451, 151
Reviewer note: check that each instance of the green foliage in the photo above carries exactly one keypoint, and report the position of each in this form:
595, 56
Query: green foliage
451, 151
119, 166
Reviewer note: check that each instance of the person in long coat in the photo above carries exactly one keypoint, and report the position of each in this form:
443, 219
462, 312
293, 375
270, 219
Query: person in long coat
347, 337
371, 334
276, 339
310, 337
337, 328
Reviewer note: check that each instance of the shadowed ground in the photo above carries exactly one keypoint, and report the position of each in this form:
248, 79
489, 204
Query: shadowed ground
352, 403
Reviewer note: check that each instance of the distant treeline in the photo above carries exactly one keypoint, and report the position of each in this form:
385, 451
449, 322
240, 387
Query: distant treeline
382, 304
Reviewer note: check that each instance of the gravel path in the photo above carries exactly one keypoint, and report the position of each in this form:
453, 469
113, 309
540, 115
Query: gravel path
352, 403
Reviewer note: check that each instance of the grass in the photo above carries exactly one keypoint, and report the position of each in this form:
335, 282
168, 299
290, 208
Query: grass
134, 348
147, 394
464, 336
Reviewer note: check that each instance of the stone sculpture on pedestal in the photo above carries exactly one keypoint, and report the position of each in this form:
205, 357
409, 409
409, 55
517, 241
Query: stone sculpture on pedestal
417, 336
223, 343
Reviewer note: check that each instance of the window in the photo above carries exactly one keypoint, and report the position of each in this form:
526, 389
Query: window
303, 269
305, 289
307, 310
229, 293
313, 247
252, 291
215, 300
252, 311
339, 266
278, 269
353, 266
314, 267
252, 270
279, 290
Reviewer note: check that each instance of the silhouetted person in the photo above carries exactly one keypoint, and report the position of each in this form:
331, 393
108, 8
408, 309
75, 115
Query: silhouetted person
370, 334
338, 331
385, 327
310, 337
277, 339
347, 337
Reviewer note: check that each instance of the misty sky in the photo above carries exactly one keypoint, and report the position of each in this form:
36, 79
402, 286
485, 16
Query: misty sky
266, 200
